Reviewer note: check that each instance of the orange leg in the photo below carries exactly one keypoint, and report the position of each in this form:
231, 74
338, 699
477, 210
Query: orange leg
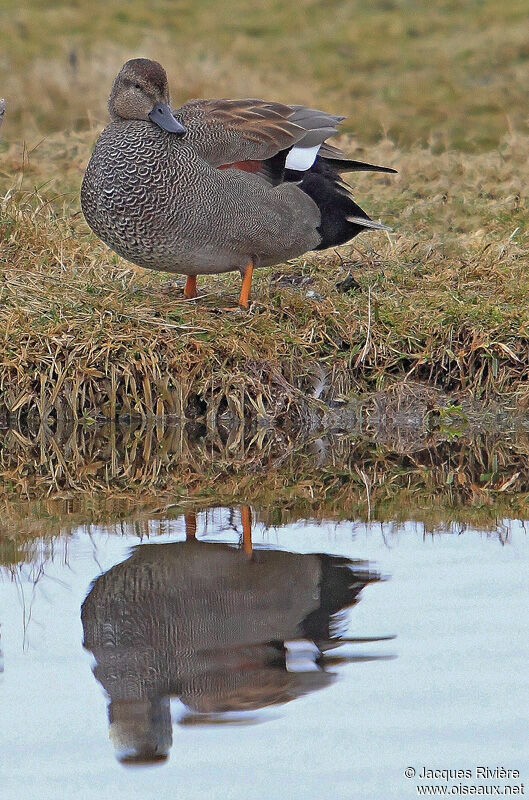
244, 296
246, 519
190, 287
191, 525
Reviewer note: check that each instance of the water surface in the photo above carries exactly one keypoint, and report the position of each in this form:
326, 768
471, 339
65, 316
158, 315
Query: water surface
216, 666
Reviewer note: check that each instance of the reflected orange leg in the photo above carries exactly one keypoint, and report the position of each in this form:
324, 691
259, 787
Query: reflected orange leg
246, 285
190, 290
191, 525
246, 519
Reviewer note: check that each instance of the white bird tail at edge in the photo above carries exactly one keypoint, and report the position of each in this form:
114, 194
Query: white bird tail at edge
369, 223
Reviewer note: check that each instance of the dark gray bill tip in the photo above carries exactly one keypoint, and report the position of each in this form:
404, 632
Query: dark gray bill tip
162, 115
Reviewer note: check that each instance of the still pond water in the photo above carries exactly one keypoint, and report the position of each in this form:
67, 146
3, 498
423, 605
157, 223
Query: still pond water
310, 660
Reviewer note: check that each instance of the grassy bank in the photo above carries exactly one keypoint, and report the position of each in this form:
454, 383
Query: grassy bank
437, 92
440, 300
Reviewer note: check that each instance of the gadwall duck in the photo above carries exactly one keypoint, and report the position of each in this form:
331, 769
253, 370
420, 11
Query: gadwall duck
216, 185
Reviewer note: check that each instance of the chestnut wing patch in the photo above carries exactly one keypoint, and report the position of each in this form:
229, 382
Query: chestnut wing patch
245, 166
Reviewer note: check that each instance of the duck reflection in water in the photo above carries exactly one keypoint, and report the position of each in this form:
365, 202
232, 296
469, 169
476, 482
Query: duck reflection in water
224, 629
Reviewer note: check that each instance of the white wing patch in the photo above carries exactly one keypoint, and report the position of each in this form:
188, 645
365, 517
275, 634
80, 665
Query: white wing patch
302, 158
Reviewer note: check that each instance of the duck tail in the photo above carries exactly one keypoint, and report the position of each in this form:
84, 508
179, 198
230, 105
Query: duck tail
350, 165
341, 218
335, 159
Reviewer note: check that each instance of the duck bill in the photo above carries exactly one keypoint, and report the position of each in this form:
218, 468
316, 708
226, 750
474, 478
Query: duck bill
162, 116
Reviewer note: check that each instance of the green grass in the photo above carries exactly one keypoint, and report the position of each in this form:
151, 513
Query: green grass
448, 74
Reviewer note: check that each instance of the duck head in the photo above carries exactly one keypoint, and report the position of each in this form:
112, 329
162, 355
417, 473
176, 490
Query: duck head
140, 91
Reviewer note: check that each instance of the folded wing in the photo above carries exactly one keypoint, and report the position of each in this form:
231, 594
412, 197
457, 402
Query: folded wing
269, 139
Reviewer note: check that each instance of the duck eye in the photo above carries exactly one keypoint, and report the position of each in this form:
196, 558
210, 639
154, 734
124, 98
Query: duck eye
137, 86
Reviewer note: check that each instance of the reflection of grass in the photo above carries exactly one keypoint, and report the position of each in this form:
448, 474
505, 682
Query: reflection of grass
109, 475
